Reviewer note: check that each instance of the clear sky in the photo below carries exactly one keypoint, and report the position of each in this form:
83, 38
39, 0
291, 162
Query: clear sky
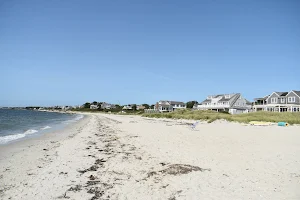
68, 52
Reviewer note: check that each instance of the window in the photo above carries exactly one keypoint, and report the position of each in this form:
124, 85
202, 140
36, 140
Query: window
282, 100
291, 99
273, 100
227, 96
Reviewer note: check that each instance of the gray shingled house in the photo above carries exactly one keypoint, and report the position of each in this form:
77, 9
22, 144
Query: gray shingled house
278, 102
169, 106
233, 103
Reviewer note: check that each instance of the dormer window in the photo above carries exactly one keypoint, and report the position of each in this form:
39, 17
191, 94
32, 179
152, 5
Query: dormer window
227, 96
209, 97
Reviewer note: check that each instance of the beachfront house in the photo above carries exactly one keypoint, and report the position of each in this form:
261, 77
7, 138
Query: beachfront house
233, 103
278, 102
94, 107
108, 106
169, 106
127, 107
140, 107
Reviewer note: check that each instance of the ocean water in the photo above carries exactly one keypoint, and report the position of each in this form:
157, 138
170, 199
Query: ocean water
21, 124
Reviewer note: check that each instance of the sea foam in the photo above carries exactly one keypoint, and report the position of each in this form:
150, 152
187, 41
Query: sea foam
46, 127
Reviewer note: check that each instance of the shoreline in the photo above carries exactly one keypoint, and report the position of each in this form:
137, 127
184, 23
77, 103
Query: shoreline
34, 131
130, 157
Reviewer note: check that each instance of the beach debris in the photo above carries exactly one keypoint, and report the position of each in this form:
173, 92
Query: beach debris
91, 143
89, 183
92, 168
283, 124
138, 157
97, 192
178, 169
151, 174
92, 177
64, 196
45, 149
193, 126
259, 123
75, 188
100, 161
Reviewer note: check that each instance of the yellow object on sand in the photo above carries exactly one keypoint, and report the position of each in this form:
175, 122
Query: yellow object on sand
258, 123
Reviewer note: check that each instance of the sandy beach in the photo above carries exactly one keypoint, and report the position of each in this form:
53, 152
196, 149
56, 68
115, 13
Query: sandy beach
130, 157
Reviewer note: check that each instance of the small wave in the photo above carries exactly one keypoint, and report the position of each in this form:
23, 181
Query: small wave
30, 131
8, 138
46, 127
77, 118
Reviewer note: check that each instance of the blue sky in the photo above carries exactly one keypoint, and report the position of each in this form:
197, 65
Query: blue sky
69, 52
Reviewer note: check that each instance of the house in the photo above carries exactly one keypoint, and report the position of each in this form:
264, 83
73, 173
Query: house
107, 106
169, 106
278, 102
140, 107
233, 103
127, 107
94, 107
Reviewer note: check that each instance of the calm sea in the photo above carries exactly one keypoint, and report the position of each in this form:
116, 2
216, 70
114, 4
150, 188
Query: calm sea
21, 124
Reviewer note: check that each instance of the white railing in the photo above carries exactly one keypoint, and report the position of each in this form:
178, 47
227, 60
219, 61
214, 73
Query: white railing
213, 106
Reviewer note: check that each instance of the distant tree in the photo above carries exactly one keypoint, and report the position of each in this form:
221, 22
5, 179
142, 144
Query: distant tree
134, 107
152, 106
190, 104
95, 103
146, 106
87, 105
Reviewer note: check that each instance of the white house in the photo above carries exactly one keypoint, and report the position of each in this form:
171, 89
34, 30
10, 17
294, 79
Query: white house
127, 107
94, 107
108, 106
232, 103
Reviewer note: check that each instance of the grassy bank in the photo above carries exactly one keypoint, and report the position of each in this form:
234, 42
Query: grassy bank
210, 116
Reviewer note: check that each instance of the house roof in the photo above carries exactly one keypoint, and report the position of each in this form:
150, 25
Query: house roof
297, 92
163, 102
177, 102
223, 99
282, 94
262, 98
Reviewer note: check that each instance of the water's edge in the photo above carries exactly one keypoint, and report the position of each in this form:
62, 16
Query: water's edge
36, 131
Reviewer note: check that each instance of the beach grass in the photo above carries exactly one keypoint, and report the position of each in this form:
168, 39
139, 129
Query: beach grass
210, 116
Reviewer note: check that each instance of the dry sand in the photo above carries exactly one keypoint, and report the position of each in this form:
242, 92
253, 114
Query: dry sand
129, 157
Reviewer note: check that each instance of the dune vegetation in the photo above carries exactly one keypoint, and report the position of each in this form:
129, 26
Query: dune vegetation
210, 116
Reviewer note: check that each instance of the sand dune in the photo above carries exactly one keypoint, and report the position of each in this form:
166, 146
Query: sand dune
129, 157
